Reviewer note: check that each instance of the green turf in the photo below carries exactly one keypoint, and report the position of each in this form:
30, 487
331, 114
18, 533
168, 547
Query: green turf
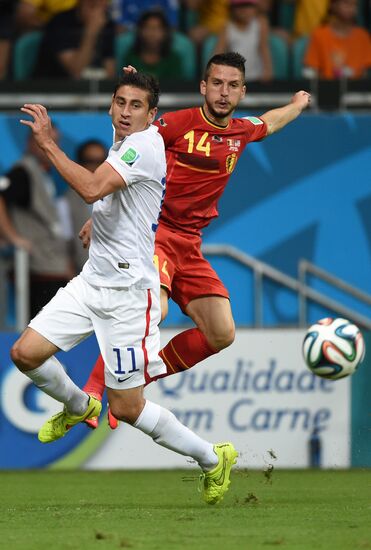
162, 510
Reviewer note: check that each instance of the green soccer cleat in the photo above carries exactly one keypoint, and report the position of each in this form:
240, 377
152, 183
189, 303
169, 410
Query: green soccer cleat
216, 482
59, 424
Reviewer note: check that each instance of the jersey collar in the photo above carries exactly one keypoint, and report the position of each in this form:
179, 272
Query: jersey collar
206, 119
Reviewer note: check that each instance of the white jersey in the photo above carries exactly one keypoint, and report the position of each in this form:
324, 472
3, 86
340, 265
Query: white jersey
124, 223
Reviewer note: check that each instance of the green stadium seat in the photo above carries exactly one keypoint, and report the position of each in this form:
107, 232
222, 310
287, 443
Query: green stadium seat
298, 51
280, 56
182, 45
207, 49
286, 15
123, 43
361, 13
25, 53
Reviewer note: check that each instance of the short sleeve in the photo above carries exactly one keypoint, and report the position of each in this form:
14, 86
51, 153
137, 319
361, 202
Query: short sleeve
256, 129
170, 125
133, 159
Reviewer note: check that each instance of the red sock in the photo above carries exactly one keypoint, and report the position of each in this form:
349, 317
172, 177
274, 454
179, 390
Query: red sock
95, 385
184, 351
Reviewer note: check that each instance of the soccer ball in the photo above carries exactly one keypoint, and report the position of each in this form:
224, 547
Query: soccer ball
333, 348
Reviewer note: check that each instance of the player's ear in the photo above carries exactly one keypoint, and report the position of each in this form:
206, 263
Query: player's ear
203, 87
152, 113
110, 109
243, 91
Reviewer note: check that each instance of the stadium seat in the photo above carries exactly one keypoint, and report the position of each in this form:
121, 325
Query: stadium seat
207, 49
25, 53
182, 45
361, 13
286, 15
280, 56
123, 43
298, 51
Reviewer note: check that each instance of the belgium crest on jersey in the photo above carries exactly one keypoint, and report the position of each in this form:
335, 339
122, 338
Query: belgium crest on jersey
230, 162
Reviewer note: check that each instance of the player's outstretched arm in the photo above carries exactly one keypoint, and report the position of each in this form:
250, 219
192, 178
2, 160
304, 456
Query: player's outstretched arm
276, 119
90, 186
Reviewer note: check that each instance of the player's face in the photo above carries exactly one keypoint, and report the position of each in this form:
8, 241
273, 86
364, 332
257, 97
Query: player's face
223, 90
130, 111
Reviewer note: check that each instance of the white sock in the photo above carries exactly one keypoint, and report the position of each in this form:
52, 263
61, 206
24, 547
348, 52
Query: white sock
166, 430
52, 379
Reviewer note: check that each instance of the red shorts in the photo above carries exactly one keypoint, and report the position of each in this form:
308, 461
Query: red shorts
184, 272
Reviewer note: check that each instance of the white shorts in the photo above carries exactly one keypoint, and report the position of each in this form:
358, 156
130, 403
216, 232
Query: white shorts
125, 322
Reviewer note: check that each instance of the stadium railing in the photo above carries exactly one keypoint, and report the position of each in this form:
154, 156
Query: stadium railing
96, 94
263, 271
16, 262
306, 267
260, 270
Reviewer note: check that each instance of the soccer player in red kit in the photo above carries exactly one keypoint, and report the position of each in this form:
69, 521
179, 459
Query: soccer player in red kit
203, 145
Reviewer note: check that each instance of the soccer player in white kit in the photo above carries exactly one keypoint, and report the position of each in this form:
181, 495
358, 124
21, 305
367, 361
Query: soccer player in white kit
117, 293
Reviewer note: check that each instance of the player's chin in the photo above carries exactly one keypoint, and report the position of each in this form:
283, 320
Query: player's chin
223, 111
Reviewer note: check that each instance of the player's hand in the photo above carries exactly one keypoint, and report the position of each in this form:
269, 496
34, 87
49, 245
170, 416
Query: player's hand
301, 99
129, 69
85, 233
40, 125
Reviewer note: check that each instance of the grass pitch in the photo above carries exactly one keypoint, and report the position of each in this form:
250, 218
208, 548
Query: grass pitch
162, 511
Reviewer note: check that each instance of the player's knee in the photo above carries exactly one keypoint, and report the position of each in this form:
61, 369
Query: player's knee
21, 357
222, 338
127, 412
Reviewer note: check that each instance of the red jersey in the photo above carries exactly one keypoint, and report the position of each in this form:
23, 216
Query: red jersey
200, 159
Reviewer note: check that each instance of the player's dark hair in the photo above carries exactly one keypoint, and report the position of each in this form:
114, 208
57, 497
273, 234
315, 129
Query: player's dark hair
144, 82
231, 59
81, 150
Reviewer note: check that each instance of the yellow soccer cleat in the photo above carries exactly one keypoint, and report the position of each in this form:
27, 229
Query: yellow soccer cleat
216, 481
59, 424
